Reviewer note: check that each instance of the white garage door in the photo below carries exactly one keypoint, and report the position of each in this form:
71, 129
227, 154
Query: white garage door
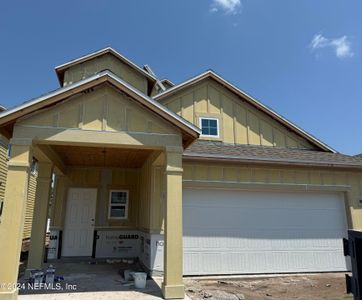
238, 232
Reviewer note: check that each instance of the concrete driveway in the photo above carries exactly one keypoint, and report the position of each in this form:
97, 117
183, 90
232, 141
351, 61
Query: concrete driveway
88, 281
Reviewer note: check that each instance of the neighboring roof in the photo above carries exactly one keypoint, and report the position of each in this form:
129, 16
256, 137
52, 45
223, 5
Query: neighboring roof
105, 76
266, 154
250, 99
61, 68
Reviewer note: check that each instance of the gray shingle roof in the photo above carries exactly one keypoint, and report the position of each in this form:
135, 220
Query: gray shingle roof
267, 154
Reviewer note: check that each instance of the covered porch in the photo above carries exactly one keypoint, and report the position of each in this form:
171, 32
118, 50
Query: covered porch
117, 189
82, 207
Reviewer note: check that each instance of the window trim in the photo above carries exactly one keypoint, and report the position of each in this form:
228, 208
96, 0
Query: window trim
217, 127
110, 205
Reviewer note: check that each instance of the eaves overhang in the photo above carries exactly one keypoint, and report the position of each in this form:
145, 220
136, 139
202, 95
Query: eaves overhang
266, 161
190, 131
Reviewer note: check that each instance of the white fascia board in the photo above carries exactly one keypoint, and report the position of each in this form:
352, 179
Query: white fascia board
95, 77
50, 95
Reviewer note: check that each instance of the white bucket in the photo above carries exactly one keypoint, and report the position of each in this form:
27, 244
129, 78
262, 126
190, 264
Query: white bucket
140, 280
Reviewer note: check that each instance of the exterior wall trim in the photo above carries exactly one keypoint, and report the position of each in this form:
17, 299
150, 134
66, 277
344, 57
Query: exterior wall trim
258, 160
48, 135
264, 186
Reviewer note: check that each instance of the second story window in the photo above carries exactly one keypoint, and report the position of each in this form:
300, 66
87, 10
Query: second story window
209, 127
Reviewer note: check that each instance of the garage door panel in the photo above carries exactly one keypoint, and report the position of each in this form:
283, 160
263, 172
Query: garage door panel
283, 242
300, 238
299, 218
243, 232
192, 263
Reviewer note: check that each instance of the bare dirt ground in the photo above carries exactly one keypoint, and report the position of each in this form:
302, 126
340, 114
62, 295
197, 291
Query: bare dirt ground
329, 286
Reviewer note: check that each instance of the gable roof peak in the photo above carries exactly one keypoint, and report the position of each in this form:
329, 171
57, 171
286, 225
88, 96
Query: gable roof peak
251, 100
60, 69
62, 93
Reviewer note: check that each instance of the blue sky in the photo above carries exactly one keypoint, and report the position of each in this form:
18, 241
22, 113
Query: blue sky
301, 58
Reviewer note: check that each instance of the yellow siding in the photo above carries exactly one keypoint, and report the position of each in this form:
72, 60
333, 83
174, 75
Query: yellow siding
104, 109
157, 201
106, 62
152, 189
240, 123
30, 206
145, 196
146, 189
31, 189
127, 179
145, 185
104, 180
225, 173
3, 166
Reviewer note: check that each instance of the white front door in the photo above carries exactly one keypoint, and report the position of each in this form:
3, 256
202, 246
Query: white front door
79, 222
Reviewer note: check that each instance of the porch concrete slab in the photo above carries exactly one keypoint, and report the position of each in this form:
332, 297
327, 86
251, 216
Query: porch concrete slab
124, 295
93, 281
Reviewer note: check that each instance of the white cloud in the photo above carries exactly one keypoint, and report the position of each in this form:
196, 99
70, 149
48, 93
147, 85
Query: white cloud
341, 46
232, 7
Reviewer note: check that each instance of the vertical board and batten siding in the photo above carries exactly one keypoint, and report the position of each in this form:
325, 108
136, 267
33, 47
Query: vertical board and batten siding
151, 197
31, 187
145, 195
104, 109
240, 122
224, 173
106, 62
145, 186
104, 180
107, 110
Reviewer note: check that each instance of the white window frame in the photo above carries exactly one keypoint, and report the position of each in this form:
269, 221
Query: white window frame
217, 127
110, 205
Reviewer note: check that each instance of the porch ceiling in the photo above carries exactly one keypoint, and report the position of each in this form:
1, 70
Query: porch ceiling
102, 157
